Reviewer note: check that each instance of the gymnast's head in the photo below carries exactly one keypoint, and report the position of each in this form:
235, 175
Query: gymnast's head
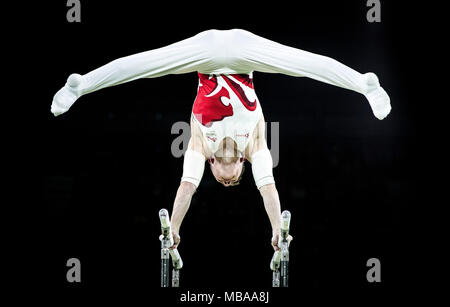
227, 163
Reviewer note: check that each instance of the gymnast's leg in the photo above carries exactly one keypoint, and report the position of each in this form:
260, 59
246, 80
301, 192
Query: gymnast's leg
182, 57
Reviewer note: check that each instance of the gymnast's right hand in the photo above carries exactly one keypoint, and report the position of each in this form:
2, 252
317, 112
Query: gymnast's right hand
176, 240
275, 241
67, 95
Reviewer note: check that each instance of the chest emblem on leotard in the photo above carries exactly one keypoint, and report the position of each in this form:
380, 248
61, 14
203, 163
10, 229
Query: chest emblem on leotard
213, 100
244, 135
211, 138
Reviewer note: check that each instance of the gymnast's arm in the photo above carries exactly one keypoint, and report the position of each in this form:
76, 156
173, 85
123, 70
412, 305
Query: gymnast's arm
193, 168
260, 54
180, 206
261, 160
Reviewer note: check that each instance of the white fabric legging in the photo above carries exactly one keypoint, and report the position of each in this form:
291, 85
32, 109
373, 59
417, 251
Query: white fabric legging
223, 52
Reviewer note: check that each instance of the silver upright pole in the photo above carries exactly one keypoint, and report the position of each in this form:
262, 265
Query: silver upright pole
165, 238
280, 260
166, 242
285, 224
164, 264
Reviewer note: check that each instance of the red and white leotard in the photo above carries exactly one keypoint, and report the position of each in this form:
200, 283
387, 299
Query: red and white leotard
226, 106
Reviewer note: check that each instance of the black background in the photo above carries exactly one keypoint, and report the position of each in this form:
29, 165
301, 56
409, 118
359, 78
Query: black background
97, 176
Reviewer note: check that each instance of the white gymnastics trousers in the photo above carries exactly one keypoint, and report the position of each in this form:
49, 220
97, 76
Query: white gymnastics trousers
223, 52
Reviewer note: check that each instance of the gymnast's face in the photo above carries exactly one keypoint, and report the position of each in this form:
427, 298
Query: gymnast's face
228, 174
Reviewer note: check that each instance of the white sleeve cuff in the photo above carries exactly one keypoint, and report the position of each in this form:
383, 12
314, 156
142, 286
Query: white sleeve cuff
193, 167
262, 164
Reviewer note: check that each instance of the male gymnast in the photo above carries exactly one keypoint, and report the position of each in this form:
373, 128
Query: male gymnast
227, 122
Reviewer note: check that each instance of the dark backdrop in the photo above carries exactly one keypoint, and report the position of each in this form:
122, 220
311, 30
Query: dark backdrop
97, 175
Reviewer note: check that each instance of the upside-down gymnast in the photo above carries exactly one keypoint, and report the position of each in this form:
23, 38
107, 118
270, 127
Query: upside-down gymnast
227, 122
